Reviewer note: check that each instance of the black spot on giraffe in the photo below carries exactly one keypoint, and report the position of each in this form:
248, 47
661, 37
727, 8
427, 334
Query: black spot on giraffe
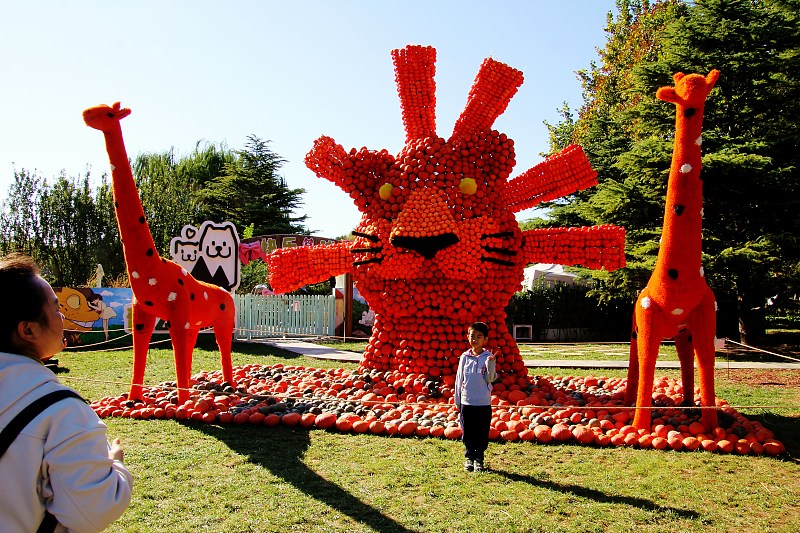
672, 273
163, 260
678, 209
191, 296
150, 252
148, 303
689, 338
222, 307
139, 327
141, 220
689, 112
180, 281
634, 335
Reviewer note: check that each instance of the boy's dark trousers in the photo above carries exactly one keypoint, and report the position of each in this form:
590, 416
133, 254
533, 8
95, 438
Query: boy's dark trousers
475, 422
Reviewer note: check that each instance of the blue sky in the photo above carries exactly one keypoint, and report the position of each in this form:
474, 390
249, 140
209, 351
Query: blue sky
287, 72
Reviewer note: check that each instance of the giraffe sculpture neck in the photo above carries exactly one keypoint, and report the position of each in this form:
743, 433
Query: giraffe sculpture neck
137, 241
678, 271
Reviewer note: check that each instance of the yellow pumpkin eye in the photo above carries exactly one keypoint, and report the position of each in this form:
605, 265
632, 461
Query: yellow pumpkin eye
74, 301
385, 192
468, 186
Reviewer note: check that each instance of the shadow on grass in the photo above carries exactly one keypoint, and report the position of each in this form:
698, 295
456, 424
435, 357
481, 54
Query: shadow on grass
598, 496
281, 452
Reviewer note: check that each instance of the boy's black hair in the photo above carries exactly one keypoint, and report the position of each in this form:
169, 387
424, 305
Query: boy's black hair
480, 327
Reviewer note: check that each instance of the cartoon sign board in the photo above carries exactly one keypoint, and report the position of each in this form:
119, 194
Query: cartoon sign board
210, 253
95, 310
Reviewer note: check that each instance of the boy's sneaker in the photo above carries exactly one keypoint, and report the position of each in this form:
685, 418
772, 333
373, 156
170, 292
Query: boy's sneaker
469, 465
477, 466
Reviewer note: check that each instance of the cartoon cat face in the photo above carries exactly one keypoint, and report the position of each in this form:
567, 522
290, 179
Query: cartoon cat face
218, 246
186, 252
218, 242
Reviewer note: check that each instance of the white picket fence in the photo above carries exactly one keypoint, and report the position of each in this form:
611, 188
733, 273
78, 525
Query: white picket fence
278, 316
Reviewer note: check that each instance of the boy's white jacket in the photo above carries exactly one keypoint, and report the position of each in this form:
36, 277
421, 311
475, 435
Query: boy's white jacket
474, 379
59, 460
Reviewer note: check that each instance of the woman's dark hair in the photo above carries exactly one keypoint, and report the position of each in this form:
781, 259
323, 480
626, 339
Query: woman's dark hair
24, 297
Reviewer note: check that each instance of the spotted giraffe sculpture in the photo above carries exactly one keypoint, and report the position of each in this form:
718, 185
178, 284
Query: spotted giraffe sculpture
161, 288
677, 301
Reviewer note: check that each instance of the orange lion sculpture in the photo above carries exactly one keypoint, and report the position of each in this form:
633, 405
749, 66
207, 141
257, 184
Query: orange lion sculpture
438, 245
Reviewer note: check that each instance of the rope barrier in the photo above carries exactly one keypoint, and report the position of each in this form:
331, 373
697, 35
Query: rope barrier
763, 351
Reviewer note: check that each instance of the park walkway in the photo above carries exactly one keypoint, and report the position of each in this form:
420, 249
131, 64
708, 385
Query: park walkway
318, 351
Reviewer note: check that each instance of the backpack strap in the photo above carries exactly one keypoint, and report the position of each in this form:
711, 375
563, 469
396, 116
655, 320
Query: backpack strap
18, 423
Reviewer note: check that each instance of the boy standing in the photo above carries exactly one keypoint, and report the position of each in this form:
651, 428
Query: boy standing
473, 395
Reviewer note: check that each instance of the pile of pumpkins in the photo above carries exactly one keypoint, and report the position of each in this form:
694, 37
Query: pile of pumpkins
584, 410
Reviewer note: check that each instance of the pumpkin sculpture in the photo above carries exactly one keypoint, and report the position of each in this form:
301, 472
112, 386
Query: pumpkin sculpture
438, 246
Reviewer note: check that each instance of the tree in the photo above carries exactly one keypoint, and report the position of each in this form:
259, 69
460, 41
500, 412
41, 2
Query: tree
171, 188
19, 220
59, 225
250, 191
68, 227
69, 230
751, 143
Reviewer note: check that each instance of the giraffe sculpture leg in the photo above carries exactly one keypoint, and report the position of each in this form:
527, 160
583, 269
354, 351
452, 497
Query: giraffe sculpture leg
685, 347
703, 323
633, 367
648, 342
183, 341
143, 325
223, 332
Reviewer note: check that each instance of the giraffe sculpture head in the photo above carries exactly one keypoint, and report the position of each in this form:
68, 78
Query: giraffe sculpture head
689, 91
105, 118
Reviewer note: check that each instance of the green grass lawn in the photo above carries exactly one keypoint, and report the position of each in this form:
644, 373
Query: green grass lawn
199, 477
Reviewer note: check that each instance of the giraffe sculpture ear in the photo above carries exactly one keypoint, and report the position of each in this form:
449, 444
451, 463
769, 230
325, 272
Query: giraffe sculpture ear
667, 94
711, 79
119, 111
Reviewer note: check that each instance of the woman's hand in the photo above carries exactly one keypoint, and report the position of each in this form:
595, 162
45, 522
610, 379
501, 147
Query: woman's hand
116, 452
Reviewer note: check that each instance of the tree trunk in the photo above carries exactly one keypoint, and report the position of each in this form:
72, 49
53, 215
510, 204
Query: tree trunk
752, 323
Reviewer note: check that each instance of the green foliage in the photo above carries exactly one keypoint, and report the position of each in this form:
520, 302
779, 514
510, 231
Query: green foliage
171, 188
751, 144
59, 224
248, 232
252, 274
69, 227
19, 220
323, 288
566, 307
250, 191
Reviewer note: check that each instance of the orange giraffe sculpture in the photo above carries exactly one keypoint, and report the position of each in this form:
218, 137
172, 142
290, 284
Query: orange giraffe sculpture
677, 301
160, 287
